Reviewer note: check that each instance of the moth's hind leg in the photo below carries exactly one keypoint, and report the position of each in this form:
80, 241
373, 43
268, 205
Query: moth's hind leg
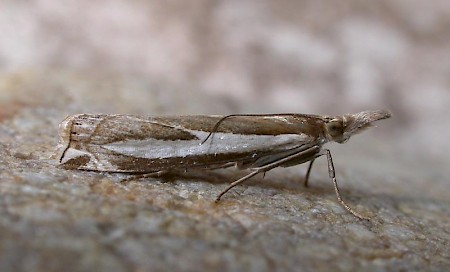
235, 183
282, 161
134, 177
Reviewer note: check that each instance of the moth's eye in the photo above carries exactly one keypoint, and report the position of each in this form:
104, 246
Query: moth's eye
334, 128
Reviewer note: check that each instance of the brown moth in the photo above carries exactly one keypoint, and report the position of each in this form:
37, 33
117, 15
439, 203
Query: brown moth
162, 144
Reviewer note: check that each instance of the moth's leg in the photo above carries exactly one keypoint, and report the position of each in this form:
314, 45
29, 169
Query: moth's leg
268, 167
222, 166
310, 156
145, 175
332, 174
308, 172
235, 183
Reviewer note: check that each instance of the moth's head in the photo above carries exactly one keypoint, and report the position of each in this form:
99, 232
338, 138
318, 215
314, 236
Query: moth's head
341, 128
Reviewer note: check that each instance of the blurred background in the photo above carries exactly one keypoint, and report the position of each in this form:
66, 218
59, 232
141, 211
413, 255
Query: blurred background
234, 56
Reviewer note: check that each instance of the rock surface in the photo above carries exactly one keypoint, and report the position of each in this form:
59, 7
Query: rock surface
52, 219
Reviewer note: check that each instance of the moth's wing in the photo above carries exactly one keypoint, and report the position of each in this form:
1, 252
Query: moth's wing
85, 136
122, 143
258, 124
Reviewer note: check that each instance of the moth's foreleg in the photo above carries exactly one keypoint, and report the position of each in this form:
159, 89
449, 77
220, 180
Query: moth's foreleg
332, 175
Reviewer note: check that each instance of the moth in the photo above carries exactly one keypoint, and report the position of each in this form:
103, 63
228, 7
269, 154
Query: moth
163, 144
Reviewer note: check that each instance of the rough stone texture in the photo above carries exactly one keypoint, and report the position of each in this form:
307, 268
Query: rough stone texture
149, 57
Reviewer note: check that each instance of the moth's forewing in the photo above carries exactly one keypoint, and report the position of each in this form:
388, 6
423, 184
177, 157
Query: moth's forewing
123, 143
